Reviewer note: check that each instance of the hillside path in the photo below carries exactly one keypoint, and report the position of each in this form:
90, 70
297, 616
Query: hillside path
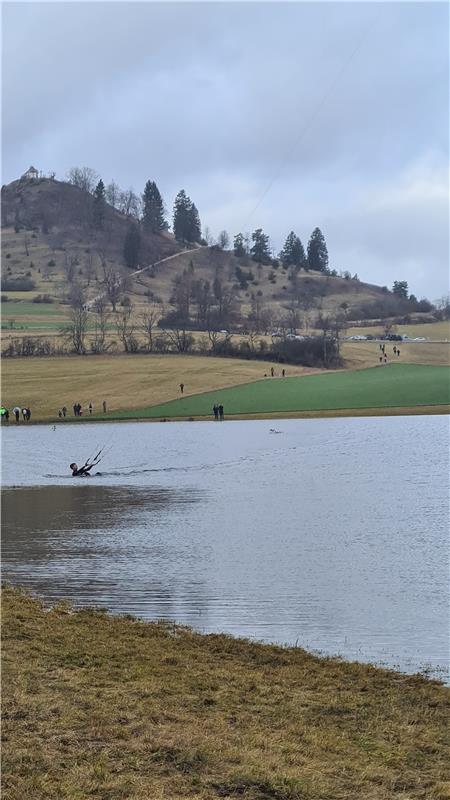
88, 306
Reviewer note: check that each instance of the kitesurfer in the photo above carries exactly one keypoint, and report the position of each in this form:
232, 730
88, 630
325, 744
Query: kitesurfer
80, 472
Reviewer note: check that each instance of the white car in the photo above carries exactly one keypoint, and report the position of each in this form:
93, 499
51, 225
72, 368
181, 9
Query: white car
420, 339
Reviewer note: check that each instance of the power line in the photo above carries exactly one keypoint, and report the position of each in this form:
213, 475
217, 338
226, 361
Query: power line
314, 115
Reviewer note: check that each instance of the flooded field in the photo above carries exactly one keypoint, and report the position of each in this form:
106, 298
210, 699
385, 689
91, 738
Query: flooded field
330, 534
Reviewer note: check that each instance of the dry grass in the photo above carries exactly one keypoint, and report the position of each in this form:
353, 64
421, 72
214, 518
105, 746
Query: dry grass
433, 330
125, 382
358, 355
111, 708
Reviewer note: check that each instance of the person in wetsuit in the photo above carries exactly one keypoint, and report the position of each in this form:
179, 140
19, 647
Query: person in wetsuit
80, 472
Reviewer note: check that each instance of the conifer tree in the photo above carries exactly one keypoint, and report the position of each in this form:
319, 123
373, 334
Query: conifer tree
238, 245
132, 246
186, 220
317, 251
195, 225
293, 254
153, 208
99, 204
260, 251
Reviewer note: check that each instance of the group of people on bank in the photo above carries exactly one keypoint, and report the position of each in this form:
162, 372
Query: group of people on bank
16, 411
218, 411
78, 410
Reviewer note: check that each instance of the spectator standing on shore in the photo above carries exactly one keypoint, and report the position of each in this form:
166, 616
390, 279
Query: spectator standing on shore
104, 406
64, 411
16, 412
75, 408
398, 352
4, 413
91, 407
221, 411
283, 373
27, 414
60, 414
216, 411
395, 350
182, 388
272, 371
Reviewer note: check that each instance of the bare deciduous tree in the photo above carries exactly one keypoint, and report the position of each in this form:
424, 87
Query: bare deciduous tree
179, 338
89, 269
149, 319
129, 203
112, 194
70, 265
75, 331
83, 177
112, 281
101, 319
223, 240
208, 237
126, 330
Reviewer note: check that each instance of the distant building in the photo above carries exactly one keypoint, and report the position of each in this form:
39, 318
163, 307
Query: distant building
30, 175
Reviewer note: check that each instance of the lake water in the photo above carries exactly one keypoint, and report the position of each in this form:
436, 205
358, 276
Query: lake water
332, 534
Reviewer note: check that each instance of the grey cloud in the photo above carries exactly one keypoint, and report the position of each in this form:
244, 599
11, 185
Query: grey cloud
222, 98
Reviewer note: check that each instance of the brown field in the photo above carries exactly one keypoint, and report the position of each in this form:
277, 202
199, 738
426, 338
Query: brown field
116, 709
433, 330
125, 382
358, 355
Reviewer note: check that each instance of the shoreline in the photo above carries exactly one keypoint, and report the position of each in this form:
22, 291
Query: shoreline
385, 411
115, 707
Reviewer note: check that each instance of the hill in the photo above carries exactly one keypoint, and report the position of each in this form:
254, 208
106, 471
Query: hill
51, 247
46, 220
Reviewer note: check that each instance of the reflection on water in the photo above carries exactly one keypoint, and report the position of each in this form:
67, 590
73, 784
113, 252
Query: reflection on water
332, 534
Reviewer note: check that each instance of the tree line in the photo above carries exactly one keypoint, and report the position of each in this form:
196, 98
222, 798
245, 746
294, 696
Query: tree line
148, 212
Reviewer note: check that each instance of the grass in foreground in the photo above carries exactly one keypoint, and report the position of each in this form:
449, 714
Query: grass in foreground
390, 386
112, 708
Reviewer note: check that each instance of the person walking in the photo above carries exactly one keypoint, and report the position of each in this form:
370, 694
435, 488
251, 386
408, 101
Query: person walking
216, 411
104, 406
221, 411
182, 388
16, 412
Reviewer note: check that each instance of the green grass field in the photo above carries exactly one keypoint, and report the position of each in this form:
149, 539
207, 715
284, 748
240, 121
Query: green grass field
396, 385
27, 309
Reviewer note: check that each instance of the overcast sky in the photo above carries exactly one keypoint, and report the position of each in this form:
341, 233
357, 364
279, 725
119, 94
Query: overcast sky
285, 116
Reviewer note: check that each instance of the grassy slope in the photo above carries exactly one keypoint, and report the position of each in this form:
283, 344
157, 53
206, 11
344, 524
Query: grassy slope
114, 709
126, 382
393, 385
